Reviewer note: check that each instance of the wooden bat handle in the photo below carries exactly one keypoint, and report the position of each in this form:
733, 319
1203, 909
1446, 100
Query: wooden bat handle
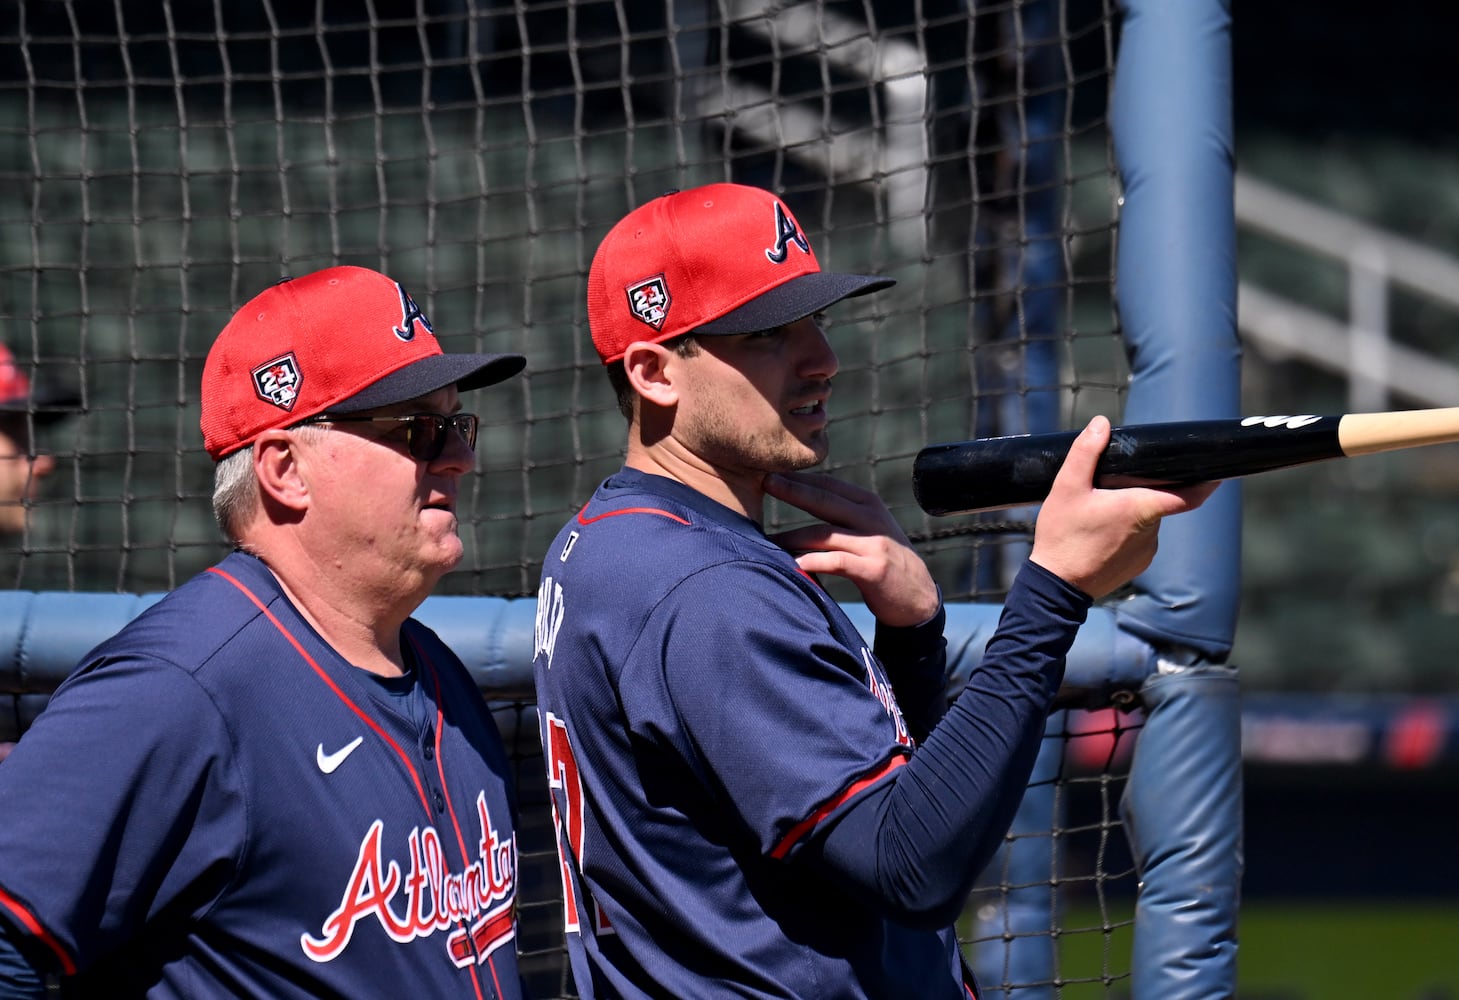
1369, 433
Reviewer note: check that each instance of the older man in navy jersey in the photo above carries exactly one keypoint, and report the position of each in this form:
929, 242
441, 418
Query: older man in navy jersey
274, 782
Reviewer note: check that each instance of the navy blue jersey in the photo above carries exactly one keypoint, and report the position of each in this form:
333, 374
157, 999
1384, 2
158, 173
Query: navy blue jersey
707, 709
216, 804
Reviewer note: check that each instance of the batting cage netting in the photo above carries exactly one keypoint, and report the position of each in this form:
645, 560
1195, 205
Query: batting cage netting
162, 162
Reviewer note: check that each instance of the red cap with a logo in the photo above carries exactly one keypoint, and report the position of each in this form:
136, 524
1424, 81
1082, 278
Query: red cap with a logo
718, 259
341, 340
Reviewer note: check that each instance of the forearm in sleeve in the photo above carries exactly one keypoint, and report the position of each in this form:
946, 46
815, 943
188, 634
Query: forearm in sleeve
937, 821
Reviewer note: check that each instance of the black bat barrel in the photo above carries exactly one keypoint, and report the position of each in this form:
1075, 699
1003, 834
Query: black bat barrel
991, 473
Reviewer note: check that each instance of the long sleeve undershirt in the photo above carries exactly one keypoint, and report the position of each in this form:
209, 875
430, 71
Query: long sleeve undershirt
917, 841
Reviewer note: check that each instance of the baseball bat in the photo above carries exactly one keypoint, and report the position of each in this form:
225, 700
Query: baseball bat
991, 473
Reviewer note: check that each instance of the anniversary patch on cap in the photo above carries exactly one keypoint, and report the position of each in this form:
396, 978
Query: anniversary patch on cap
649, 300
278, 381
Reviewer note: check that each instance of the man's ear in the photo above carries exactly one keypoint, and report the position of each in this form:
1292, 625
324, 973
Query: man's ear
281, 476
650, 370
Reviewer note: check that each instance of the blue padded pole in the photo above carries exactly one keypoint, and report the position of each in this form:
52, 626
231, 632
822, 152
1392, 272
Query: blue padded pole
1183, 817
1176, 287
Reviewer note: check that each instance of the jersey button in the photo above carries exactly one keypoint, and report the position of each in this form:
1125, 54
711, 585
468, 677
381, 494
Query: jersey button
440, 802
430, 752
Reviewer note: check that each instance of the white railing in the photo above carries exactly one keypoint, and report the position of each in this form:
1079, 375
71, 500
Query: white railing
1361, 348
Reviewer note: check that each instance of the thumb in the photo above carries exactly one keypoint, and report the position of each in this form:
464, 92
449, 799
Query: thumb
1077, 472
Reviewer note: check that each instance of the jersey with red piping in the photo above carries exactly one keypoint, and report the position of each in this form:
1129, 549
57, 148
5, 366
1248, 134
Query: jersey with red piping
216, 804
706, 707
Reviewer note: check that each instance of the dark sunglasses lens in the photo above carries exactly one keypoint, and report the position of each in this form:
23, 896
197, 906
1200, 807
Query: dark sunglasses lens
428, 434
427, 437
466, 425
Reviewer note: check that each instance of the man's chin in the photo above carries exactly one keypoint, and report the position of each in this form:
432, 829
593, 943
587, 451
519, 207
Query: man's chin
814, 454
447, 556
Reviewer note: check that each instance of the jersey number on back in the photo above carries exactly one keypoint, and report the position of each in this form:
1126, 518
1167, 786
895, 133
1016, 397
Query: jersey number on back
562, 774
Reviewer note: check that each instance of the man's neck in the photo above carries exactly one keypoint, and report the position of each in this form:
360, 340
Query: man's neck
365, 632
743, 495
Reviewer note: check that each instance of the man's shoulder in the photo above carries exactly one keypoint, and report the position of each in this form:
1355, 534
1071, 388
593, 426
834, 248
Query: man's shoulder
638, 554
634, 519
188, 627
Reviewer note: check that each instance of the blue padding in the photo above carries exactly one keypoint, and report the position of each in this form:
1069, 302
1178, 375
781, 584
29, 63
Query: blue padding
1183, 817
44, 635
493, 636
1103, 660
1176, 286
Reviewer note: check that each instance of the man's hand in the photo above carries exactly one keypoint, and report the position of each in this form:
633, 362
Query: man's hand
858, 540
1098, 540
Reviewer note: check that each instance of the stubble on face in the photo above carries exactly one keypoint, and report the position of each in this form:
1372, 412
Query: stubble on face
725, 437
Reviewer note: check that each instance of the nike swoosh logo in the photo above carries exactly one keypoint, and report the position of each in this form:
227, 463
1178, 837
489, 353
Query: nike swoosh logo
329, 761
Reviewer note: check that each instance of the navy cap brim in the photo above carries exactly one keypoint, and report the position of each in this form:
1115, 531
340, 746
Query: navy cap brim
43, 406
795, 300
423, 377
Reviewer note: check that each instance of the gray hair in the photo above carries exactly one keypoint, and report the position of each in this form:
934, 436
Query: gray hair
235, 491
235, 488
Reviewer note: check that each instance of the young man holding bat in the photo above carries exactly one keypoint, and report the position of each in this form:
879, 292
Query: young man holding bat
274, 782
750, 800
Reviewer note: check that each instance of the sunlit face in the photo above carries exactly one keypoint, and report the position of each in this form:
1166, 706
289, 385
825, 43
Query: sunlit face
20, 476
386, 517
756, 403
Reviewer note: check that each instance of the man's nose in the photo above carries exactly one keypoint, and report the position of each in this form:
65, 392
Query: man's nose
819, 358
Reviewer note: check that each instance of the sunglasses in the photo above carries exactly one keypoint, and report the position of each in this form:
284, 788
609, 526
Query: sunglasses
426, 432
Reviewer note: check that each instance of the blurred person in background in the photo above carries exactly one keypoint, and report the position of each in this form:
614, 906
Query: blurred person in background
275, 782
23, 408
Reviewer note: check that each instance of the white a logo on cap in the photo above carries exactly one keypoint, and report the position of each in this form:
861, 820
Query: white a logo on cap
409, 314
786, 233
278, 381
649, 301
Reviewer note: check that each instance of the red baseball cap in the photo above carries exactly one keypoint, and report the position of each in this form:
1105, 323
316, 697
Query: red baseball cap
717, 259
340, 340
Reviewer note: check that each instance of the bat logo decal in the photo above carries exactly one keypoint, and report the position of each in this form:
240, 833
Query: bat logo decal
1290, 422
